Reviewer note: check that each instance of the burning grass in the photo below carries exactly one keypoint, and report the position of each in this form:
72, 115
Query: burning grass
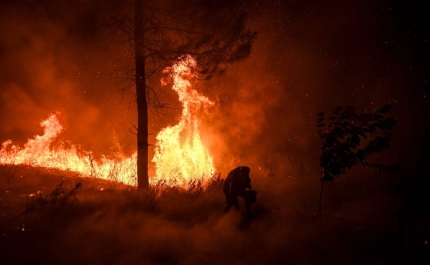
75, 220
181, 157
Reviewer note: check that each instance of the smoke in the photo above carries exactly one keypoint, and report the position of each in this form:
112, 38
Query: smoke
307, 58
50, 65
310, 58
126, 227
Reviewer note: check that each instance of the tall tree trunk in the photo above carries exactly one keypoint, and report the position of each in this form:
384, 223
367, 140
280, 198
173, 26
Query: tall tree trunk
142, 108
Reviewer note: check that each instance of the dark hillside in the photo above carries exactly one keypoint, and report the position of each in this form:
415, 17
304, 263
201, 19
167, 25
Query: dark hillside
101, 222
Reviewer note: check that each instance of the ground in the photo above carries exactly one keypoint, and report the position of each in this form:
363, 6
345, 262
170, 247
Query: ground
102, 222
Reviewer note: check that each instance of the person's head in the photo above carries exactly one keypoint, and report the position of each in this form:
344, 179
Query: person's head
244, 170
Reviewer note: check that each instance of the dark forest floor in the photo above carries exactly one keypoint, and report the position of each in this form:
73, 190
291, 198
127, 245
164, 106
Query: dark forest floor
102, 222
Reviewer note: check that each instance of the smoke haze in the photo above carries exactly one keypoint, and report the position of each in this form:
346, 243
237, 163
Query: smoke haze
308, 57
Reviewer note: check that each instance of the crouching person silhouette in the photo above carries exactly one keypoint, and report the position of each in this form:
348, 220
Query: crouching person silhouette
235, 186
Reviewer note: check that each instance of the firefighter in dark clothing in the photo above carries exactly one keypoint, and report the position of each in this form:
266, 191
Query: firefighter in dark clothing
235, 185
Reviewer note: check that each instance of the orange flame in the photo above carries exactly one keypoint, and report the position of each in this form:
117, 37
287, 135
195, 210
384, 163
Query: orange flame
37, 152
180, 155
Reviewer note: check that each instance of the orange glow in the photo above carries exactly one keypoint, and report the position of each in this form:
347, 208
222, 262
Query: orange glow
180, 155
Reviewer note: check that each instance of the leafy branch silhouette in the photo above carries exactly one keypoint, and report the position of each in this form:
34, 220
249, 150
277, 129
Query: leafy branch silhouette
348, 139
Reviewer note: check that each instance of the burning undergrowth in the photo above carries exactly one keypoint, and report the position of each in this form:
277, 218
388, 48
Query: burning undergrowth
42, 151
181, 157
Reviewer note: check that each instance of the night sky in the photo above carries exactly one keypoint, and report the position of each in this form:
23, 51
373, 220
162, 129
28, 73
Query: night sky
309, 56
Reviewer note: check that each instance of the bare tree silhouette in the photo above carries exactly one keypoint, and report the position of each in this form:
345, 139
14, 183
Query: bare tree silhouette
212, 31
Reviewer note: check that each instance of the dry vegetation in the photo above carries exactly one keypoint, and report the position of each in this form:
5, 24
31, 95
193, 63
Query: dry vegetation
53, 217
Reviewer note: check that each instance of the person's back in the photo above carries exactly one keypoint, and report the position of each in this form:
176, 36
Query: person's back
237, 181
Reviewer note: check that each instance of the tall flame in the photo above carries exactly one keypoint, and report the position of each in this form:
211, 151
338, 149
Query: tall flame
180, 155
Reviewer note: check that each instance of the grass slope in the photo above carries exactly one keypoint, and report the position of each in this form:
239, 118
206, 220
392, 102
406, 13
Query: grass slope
101, 222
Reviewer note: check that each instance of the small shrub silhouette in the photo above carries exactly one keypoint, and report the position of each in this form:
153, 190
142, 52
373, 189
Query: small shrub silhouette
348, 139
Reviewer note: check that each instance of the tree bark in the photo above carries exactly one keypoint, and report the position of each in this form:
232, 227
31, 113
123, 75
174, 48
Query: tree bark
142, 106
